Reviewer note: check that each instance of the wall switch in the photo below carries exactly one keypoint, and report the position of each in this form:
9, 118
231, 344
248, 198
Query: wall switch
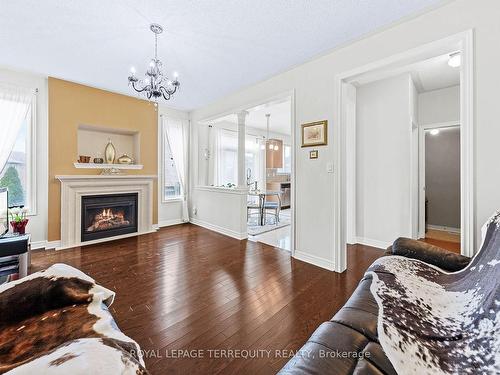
329, 167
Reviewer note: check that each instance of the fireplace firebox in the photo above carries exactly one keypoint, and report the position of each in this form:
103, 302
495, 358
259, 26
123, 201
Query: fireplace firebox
108, 215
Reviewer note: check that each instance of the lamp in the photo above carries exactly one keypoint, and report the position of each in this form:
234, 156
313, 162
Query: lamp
455, 60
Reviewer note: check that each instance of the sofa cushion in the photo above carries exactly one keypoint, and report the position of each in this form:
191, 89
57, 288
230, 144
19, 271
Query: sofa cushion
360, 312
364, 367
362, 299
347, 344
428, 253
332, 349
378, 358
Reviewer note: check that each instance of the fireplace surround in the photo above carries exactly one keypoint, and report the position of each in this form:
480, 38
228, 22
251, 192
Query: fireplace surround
108, 215
75, 187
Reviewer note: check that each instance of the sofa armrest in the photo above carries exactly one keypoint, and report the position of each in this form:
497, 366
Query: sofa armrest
428, 253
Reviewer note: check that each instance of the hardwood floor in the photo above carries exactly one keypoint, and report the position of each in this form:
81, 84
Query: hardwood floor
447, 245
187, 288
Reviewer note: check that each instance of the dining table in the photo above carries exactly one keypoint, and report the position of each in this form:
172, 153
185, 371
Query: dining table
262, 195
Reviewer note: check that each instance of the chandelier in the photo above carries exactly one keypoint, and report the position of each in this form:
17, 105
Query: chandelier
154, 84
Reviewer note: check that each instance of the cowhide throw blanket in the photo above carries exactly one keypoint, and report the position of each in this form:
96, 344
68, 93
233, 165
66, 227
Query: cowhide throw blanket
433, 322
57, 322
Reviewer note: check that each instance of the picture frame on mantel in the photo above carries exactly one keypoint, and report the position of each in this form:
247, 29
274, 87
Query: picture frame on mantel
315, 134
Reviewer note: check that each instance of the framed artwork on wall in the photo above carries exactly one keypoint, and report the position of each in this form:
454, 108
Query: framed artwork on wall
315, 134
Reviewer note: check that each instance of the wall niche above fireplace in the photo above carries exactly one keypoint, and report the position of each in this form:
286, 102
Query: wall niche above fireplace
108, 215
92, 141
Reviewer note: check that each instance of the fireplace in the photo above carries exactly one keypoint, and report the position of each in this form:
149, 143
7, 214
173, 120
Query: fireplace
108, 215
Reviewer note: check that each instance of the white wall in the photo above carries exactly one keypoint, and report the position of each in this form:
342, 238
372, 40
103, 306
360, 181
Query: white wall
439, 106
316, 98
442, 178
170, 212
414, 177
37, 226
220, 209
383, 154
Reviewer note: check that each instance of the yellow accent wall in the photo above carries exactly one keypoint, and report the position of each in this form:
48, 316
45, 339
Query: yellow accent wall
71, 104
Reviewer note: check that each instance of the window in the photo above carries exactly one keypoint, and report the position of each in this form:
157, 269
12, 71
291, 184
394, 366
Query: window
227, 158
254, 161
287, 160
171, 184
17, 122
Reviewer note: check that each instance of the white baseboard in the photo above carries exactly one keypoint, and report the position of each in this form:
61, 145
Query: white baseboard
38, 245
35, 245
49, 245
218, 229
373, 243
445, 229
167, 223
314, 260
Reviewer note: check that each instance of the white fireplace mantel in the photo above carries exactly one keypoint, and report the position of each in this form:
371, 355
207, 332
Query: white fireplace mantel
74, 187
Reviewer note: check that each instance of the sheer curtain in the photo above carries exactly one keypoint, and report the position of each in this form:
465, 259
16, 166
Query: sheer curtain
176, 134
227, 157
213, 160
14, 106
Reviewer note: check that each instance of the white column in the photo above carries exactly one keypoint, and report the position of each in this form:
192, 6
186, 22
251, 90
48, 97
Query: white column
242, 184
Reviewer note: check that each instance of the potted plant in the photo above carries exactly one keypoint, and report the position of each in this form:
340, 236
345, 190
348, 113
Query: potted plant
18, 219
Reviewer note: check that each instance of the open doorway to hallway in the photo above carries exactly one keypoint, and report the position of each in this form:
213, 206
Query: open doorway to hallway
393, 115
381, 114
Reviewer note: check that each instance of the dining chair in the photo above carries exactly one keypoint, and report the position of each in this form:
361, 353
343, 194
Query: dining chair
253, 206
275, 208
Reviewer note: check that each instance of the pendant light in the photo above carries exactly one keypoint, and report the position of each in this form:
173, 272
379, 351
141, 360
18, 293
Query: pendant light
268, 115
272, 144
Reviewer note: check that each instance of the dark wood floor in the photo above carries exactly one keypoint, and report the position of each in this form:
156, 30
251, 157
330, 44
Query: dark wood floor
187, 288
448, 245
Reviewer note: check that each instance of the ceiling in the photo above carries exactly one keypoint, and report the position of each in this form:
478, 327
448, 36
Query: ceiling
279, 122
430, 74
217, 47
435, 73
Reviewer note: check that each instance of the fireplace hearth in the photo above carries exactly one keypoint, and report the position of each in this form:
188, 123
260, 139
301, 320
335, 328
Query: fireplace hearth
108, 215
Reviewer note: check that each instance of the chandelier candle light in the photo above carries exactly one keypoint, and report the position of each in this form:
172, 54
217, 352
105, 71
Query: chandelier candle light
153, 83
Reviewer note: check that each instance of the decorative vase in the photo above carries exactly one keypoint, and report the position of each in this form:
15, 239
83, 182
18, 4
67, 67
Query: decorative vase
19, 226
124, 159
109, 153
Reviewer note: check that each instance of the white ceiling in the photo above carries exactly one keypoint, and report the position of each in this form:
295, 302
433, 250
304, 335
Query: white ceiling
430, 74
435, 74
216, 46
280, 120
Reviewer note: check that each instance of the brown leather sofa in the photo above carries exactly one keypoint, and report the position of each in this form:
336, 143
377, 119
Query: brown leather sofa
348, 343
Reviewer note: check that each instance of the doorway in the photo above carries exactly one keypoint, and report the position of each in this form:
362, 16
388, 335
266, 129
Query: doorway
269, 156
264, 189
440, 185
345, 141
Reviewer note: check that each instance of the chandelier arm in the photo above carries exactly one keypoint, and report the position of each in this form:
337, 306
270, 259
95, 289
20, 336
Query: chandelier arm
139, 90
170, 91
164, 91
